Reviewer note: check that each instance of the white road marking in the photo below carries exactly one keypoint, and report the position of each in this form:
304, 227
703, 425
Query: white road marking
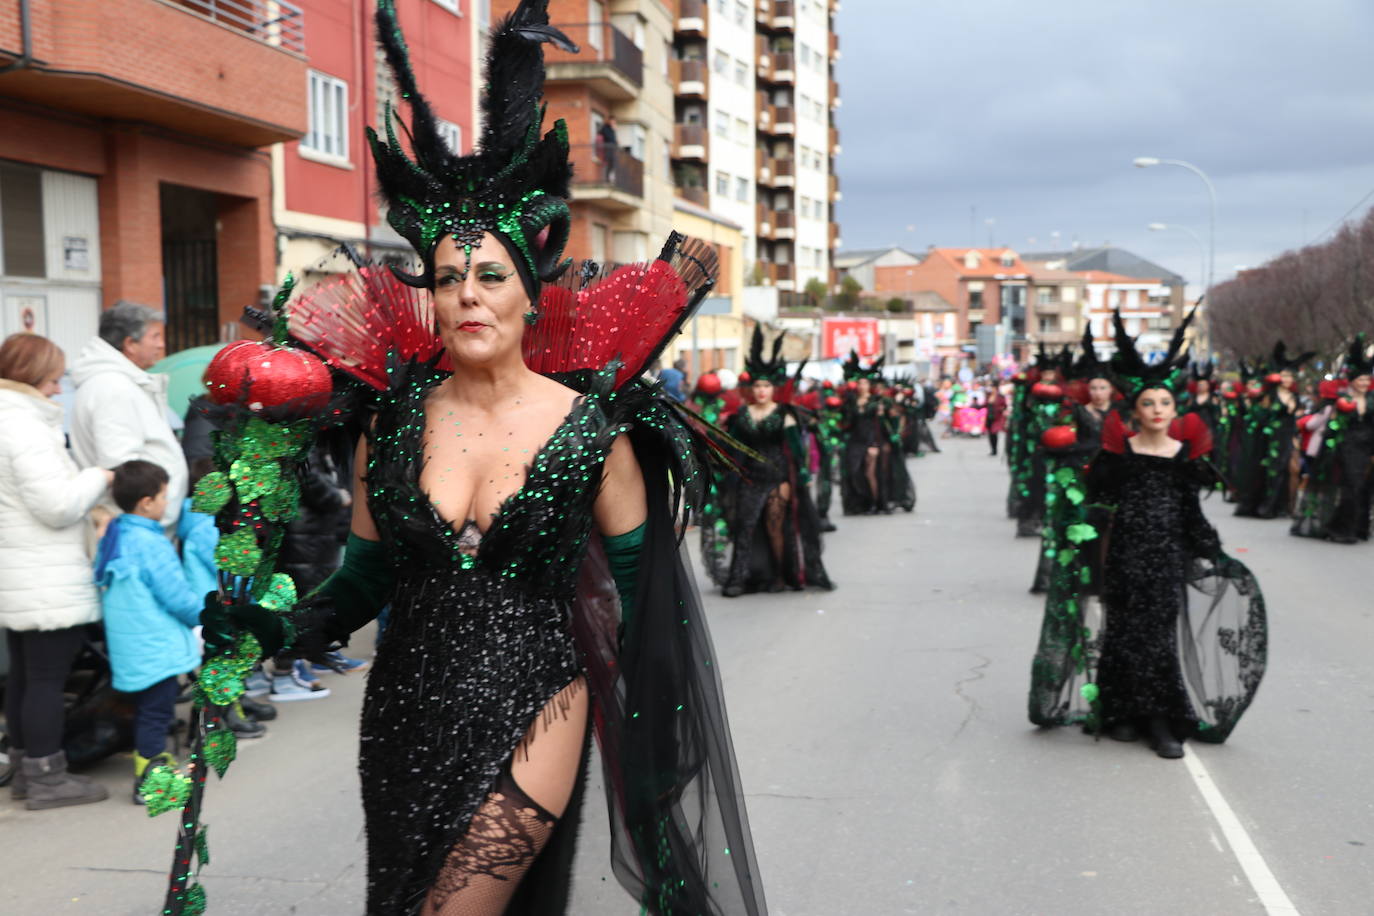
1266, 886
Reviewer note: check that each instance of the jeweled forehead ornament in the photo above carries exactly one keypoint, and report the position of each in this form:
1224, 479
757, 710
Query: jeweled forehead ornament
516, 183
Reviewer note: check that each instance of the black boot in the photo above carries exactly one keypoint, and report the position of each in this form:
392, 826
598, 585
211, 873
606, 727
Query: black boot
1162, 739
1123, 731
19, 784
258, 712
241, 725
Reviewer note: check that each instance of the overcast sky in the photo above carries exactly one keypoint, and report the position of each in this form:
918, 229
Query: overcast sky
1032, 112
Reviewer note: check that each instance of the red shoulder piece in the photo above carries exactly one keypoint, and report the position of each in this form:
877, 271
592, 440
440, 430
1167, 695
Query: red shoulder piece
1078, 390
354, 320
1114, 434
1189, 428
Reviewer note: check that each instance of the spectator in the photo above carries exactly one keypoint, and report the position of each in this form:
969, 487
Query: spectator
121, 409
674, 379
151, 610
608, 146
46, 594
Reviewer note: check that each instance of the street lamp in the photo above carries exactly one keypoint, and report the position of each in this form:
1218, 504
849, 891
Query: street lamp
1144, 162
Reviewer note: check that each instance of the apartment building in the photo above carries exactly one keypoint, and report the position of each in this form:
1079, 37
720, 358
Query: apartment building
324, 187
133, 161
755, 140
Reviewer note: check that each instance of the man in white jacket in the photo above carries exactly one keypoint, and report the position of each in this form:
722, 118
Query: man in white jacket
121, 409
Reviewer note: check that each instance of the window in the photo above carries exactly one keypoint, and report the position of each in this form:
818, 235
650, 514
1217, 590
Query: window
639, 142
1049, 325
722, 184
328, 117
741, 13
1008, 259
742, 131
1044, 295
722, 125
975, 298
450, 5
595, 16
21, 221
806, 207
816, 259
741, 73
741, 189
721, 63
723, 7
667, 158
452, 134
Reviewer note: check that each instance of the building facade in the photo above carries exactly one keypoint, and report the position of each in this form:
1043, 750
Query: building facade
133, 160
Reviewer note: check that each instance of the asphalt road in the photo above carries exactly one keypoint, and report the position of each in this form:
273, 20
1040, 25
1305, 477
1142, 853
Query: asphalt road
883, 743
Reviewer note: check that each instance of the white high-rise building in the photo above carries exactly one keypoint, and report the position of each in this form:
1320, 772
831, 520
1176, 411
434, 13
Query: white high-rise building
755, 141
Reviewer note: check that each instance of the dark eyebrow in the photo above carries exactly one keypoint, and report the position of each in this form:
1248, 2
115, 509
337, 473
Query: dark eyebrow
488, 264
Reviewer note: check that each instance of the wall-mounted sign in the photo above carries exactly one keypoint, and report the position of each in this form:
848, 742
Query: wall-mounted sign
840, 335
76, 252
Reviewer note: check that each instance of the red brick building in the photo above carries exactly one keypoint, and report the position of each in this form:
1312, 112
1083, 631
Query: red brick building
132, 162
985, 285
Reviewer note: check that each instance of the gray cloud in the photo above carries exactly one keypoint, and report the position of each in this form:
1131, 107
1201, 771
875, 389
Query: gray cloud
1032, 113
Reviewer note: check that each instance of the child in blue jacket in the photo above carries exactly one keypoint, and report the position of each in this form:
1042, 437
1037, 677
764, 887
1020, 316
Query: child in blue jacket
150, 609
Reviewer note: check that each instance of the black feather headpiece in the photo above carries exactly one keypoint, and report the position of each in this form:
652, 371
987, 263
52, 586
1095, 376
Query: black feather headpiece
1088, 366
1356, 362
1134, 374
853, 369
1279, 361
1203, 371
772, 368
514, 186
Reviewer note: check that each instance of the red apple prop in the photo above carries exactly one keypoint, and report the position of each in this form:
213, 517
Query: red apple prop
263, 376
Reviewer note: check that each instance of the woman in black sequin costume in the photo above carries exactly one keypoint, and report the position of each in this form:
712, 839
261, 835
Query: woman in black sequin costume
521, 528
773, 524
873, 474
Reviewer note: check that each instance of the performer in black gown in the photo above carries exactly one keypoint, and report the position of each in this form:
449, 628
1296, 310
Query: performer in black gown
1202, 398
1264, 472
522, 528
874, 477
773, 525
1335, 503
1183, 646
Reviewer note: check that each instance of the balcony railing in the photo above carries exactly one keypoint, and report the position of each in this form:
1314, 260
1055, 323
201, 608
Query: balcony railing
783, 15
596, 167
693, 17
694, 193
273, 22
693, 139
783, 64
687, 72
598, 43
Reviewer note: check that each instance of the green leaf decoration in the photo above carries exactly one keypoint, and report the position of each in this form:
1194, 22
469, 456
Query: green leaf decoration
255, 478
1066, 556
1080, 532
213, 491
221, 681
1085, 575
238, 553
1074, 494
1089, 692
195, 901
281, 593
164, 789
283, 503
221, 747
268, 440
202, 848
1065, 476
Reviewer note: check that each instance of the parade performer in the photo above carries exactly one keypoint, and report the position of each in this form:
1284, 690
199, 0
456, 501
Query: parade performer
874, 478
1069, 444
517, 508
1042, 409
1263, 476
1177, 646
773, 526
1335, 499
1202, 398
830, 442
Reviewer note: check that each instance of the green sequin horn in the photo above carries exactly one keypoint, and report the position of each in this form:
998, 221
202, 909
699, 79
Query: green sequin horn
514, 186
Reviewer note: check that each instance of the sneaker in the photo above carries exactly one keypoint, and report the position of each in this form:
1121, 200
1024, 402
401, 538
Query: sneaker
257, 684
342, 664
258, 712
287, 688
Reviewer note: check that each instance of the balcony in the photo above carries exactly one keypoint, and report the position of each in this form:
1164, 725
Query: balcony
609, 62
691, 78
691, 141
784, 18
764, 218
764, 59
835, 195
694, 193
235, 73
834, 46
784, 224
693, 17
784, 121
835, 100
785, 273
613, 183
834, 141
784, 173
765, 113
763, 13
784, 68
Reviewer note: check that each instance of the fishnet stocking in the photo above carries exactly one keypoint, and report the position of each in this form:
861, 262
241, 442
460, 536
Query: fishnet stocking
871, 474
774, 517
484, 870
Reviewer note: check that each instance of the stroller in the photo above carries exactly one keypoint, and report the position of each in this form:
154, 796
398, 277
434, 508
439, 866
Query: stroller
99, 719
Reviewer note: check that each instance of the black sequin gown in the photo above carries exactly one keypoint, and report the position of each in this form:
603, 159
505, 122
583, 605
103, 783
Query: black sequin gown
1197, 666
753, 495
485, 628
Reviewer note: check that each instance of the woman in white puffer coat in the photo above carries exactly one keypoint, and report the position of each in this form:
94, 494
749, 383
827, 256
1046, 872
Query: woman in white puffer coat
47, 590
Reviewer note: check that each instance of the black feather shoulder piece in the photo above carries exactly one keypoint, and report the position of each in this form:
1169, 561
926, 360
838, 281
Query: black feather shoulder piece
1133, 374
514, 186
